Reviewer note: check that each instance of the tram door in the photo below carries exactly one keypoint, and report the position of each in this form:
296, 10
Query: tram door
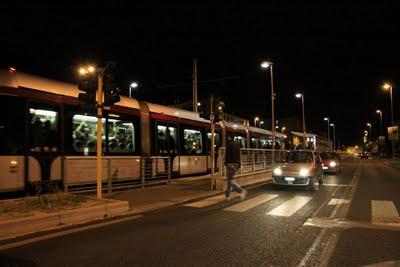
44, 146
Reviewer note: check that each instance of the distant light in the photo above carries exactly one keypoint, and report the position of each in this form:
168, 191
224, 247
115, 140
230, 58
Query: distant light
11, 69
13, 162
283, 128
261, 122
198, 104
332, 124
276, 127
326, 119
134, 85
91, 69
266, 64
235, 126
387, 86
298, 95
378, 111
220, 107
256, 118
366, 132
82, 71
368, 124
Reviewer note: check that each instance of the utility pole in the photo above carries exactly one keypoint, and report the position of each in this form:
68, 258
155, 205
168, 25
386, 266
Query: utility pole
195, 109
99, 159
212, 143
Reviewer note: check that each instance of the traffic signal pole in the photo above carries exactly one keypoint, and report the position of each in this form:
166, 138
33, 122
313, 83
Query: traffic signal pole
99, 160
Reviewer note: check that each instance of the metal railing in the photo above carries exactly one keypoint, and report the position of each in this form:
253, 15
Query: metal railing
119, 172
252, 160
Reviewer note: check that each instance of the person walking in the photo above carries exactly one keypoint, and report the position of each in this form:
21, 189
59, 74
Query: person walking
232, 163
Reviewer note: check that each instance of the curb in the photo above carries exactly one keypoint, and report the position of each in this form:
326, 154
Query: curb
22, 226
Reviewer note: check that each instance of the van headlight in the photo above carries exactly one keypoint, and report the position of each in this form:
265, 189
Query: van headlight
332, 164
304, 172
278, 171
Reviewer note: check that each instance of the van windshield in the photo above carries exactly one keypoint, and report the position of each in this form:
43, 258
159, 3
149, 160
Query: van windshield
299, 157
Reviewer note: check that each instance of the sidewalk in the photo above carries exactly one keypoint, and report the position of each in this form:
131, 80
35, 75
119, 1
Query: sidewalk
179, 191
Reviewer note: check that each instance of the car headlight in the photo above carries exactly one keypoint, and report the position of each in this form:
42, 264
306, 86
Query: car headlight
278, 171
304, 172
332, 164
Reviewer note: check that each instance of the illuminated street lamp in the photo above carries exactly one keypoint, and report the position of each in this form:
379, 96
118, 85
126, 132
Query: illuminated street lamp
334, 136
283, 129
269, 65
299, 95
370, 128
388, 86
198, 104
329, 132
380, 115
255, 121
133, 85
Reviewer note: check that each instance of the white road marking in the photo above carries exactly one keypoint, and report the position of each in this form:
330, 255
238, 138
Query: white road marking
251, 203
338, 201
341, 185
206, 202
383, 211
66, 232
289, 207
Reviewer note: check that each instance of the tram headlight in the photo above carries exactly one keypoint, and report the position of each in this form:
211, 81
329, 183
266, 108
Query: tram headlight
278, 171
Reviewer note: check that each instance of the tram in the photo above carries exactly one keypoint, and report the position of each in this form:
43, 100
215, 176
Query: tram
45, 136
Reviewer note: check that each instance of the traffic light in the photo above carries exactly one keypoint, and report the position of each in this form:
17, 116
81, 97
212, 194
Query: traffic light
111, 91
88, 98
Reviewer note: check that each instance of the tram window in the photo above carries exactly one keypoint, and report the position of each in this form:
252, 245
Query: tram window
43, 130
217, 140
12, 128
265, 143
240, 140
121, 136
254, 142
166, 137
84, 134
192, 141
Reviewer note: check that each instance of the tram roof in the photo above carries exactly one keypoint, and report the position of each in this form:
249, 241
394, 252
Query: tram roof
17, 79
175, 112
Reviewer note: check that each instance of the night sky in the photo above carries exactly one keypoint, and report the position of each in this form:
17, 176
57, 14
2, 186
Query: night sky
337, 55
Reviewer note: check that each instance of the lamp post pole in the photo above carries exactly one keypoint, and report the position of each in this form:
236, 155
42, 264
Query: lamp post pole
334, 136
266, 65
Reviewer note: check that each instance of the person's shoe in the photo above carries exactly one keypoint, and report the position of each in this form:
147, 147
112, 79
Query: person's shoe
243, 194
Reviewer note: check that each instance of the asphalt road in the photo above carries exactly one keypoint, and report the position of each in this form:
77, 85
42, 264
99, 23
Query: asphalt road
271, 227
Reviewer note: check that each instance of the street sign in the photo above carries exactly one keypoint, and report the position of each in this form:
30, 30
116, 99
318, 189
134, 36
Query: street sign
393, 133
382, 139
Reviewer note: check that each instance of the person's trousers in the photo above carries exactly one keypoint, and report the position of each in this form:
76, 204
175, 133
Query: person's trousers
231, 185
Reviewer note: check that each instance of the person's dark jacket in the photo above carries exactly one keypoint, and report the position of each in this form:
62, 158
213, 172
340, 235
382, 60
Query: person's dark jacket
232, 153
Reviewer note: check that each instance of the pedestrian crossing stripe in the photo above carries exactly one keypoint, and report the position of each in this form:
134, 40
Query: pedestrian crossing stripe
338, 201
206, 202
289, 207
384, 211
251, 203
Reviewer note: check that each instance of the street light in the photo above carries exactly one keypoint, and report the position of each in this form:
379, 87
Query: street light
334, 136
388, 86
133, 85
299, 95
283, 129
269, 65
380, 115
329, 132
255, 121
370, 129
